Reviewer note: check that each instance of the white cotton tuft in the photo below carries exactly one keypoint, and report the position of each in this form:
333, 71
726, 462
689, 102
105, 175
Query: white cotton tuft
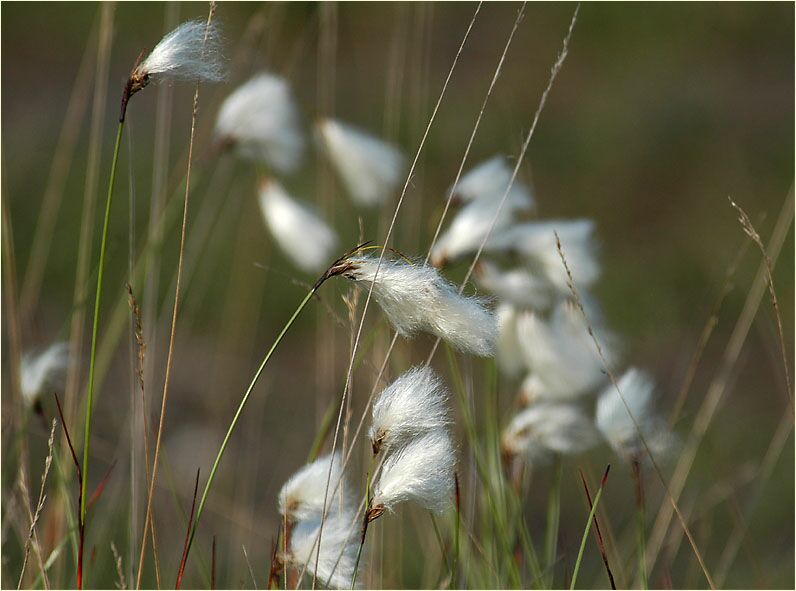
508, 352
421, 472
536, 242
301, 497
414, 404
488, 181
369, 167
472, 224
338, 541
415, 297
38, 371
545, 428
561, 352
191, 52
617, 425
300, 232
260, 120
519, 286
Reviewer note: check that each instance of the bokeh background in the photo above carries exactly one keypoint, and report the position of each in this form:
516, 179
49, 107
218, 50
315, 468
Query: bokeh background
661, 112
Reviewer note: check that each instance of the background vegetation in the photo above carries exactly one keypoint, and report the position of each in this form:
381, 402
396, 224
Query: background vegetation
661, 112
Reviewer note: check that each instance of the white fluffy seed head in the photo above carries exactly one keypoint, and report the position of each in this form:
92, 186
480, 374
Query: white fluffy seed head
519, 286
618, 426
415, 403
369, 167
191, 52
415, 297
261, 121
472, 224
561, 352
536, 242
507, 347
338, 541
544, 428
42, 369
421, 472
486, 180
301, 497
299, 231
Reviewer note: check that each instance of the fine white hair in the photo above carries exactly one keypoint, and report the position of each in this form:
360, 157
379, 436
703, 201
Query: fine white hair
415, 403
421, 472
519, 286
302, 496
536, 242
415, 297
40, 370
486, 180
337, 556
545, 428
191, 52
300, 232
261, 121
473, 222
561, 352
369, 167
617, 425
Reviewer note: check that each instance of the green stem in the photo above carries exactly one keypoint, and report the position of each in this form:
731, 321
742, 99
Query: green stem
97, 300
592, 513
242, 404
553, 519
365, 522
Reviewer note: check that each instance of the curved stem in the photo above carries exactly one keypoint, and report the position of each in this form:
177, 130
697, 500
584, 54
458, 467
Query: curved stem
242, 404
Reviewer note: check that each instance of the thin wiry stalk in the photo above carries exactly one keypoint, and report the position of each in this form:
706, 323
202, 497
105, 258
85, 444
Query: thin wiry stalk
249, 566
32, 536
170, 354
241, 406
470, 142
375, 276
762, 477
641, 525
684, 524
707, 331
592, 517
750, 231
718, 385
600, 541
184, 558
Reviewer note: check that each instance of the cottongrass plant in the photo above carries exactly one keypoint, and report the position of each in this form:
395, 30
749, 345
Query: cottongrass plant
38, 370
301, 233
301, 504
260, 122
415, 298
421, 472
369, 168
627, 418
415, 403
544, 429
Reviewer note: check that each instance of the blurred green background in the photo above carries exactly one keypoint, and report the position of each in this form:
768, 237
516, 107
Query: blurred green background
660, 113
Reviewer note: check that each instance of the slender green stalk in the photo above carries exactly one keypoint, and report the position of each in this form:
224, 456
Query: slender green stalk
592, 513
553, 519
364, 523
241, 406
94, 329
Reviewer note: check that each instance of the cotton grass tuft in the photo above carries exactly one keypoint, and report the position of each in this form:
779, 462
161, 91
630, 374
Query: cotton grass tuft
337, 556
369, 168
261, 122
301, 233
40, 370
302, 496
416, 298
414, 404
